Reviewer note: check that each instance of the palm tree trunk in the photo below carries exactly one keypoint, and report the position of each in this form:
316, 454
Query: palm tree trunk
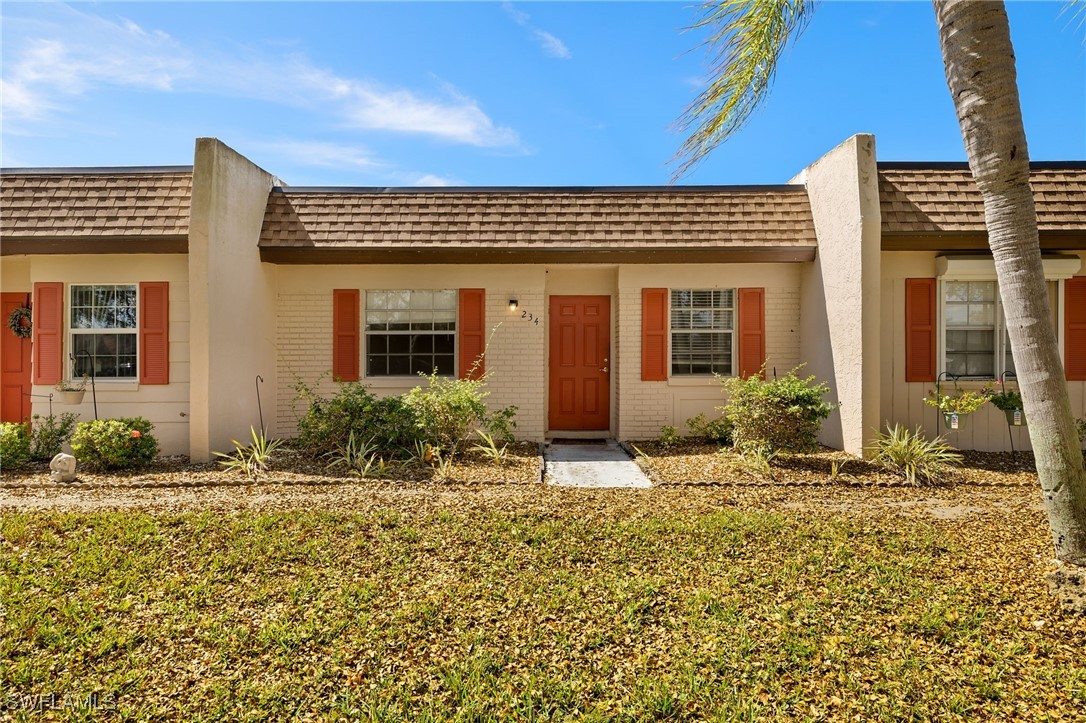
980, 70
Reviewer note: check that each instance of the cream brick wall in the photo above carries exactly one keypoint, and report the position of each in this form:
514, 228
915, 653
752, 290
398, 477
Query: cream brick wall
644, 407
164, 405
515, 363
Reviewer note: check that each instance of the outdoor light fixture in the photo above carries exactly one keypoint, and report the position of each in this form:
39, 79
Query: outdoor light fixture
512, 305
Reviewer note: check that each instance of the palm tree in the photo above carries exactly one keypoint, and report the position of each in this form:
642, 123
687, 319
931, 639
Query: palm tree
747, 38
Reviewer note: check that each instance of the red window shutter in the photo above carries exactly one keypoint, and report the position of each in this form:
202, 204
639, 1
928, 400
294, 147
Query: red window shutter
920, 310
154, 332
471, 333
345, 325
654, 335
1074, 328
751, 332
48, 334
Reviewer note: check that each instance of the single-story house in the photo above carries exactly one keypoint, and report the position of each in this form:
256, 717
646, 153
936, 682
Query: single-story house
605, 312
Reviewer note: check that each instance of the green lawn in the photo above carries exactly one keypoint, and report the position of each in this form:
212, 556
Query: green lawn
650, 609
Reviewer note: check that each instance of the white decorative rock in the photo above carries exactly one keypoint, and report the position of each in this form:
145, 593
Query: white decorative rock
62, 468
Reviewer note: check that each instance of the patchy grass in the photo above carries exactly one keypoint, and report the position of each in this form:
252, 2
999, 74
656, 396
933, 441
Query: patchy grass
540, 604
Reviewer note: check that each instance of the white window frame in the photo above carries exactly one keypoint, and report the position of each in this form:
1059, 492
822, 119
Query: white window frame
733, 331
71, 332
1001, 341
366, 333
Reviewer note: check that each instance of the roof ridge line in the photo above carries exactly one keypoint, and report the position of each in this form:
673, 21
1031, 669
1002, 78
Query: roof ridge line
421, 190
91, 170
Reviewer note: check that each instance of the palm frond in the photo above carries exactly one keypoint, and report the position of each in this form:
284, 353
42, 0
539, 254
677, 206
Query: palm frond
746, 40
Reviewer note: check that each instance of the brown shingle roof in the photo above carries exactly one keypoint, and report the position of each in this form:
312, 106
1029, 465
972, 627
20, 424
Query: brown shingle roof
944, 199
519, 219
81, 203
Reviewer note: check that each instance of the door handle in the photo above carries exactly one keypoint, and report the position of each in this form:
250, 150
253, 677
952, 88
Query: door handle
604, 369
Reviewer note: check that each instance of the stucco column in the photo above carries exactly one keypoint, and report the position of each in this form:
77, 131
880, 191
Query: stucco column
232, 300
840, 290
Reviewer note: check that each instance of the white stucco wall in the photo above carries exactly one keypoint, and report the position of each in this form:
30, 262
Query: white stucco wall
840, 290
233, 295
903, 402
166, 406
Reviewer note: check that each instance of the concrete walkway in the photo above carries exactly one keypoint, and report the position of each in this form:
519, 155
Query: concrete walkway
591, 465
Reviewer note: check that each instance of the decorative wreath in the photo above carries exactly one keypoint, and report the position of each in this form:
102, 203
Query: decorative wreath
19, 322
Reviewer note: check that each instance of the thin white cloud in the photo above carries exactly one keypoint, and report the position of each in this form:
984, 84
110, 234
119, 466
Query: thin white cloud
429, 179
552, 45
322, 154
55, 62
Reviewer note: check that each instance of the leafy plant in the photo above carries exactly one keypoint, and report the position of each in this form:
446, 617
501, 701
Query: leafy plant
250, 459
489, 449
49, 433
776, 415
917, 459
961, 402
70, 385
424, 454
360, 458
328, 424
14, 445
717, 430
114, 443
448, 411
1006, 401
758, 460
669, 436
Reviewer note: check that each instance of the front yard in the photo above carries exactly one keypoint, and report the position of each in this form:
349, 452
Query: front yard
471, 602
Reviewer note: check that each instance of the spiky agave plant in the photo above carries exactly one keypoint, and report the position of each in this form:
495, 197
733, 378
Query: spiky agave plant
918, 459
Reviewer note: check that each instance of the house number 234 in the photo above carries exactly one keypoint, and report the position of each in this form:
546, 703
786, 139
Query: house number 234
528, 315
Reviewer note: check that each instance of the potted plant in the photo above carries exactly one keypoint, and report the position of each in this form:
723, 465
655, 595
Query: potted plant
71, 391
1010, 403
955, 407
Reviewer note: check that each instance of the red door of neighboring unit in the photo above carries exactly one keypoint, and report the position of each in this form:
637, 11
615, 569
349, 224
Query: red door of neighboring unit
580, 339
14, 366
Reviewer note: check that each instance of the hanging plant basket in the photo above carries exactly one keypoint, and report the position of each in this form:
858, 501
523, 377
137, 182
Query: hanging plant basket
1015, 417
19, 321
71, 397
954, 420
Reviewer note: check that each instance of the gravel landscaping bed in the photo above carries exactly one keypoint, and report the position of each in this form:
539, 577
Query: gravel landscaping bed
288, 467
700, 463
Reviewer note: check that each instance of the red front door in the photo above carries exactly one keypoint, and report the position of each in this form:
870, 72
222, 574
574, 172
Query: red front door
14, 366
580, 339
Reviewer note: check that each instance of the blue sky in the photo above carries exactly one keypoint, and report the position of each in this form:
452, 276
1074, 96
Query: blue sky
489, 93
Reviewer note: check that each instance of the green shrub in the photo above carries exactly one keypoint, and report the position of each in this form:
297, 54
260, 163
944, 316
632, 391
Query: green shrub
327, 426
49, 433
779, 415
918, 460
448, 411
717, 431
14, 445
669, 436
114, 443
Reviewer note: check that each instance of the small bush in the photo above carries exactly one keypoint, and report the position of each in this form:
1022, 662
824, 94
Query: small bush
48, 434
106, 444
669, 436
14, 445
327, 426
779, 415
489, 448
918, 460
716, 431
448, 411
